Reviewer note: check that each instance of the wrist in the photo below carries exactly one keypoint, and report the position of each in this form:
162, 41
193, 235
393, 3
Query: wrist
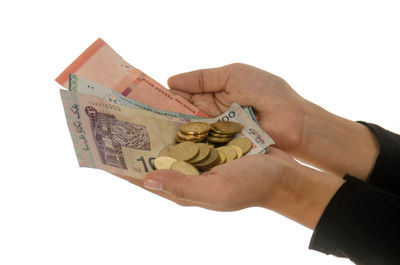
306, 196
336, 145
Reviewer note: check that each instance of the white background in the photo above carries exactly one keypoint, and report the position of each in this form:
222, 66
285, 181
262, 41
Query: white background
342, 55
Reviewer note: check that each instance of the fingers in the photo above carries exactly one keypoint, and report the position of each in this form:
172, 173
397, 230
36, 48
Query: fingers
206, 103
188, 188
204, 88
183, 94
201, 81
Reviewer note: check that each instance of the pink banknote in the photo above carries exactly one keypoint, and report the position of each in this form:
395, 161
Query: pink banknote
101, 64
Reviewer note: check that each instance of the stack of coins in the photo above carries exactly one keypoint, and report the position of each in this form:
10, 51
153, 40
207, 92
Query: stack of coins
220, 132
223, 131
193, 154
193, 132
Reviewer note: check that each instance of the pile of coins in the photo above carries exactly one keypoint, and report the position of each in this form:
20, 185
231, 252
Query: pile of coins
219, 132
201, 147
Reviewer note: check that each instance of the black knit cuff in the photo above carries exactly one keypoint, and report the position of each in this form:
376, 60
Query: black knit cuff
362, 223
386, 173
326, 238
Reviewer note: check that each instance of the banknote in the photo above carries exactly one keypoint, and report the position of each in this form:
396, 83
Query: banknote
103, 65
125, 141
84, 86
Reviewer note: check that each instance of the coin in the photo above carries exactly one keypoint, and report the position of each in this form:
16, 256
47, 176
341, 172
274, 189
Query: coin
204, 152
226, 127
244, 143
196, 142
210, 166
163, 162
184, 151
222, 158
195, 128
213, 134
220, 132
181, 141
229, 152
212, 157
239, 151
185, 168
191, 137
218, 139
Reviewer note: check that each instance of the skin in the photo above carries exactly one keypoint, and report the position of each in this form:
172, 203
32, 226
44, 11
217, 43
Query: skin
301, 129
274, 181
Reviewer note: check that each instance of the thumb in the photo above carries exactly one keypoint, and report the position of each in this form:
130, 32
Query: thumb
201, 81
184, 187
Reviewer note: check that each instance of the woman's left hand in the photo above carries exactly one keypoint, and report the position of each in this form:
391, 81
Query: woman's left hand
274, 181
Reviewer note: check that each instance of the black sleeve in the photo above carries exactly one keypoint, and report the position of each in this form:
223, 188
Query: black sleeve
361, 223
386, 173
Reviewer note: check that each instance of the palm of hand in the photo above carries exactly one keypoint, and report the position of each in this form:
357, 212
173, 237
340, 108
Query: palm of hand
248, 181
278, 107
252, 181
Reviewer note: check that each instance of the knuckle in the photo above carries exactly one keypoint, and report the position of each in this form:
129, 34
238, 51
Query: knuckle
236, 68
237, 65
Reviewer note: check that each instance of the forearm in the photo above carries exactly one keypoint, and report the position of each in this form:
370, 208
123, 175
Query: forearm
336, 145
350, 218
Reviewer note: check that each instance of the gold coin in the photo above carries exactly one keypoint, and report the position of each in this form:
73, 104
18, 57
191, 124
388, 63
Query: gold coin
229, 152
185, 168
163, 162
181, 141
213, 134
220, 132
226, 127
194, 135
184, 151
244, 143
212, 157
191, 137
218, 139
222, 158
238, 151
215, 163
195, 127
204, 152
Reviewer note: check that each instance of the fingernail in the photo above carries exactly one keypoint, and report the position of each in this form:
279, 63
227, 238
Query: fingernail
153, 184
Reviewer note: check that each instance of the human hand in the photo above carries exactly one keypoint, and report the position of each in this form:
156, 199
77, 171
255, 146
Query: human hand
279, 109
305, 130
274, 181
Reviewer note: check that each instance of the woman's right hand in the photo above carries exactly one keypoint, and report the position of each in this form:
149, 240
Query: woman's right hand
299, 127
279, 109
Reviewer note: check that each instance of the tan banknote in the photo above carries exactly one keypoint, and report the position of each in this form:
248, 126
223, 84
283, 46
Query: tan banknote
101, 64
124, 140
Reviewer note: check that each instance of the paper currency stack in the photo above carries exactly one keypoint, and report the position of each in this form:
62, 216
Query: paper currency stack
121, 120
